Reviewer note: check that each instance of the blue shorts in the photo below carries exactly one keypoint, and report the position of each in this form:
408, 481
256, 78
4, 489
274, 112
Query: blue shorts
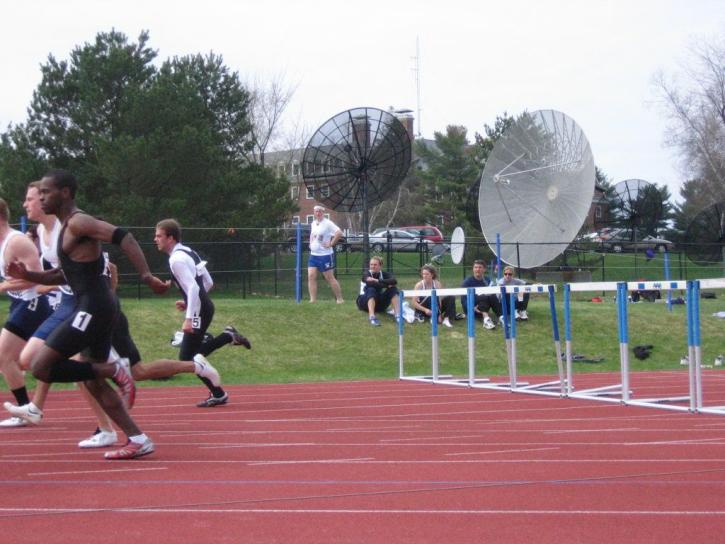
323, 263
26, 315
63, 310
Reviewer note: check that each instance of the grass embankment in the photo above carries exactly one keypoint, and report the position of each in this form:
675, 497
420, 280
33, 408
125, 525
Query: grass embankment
325, 341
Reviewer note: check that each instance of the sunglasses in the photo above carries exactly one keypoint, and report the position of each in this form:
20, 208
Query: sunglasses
508, 274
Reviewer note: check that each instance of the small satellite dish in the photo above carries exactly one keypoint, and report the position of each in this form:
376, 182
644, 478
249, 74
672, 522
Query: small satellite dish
458, 245
705, 236
536, 188
636, 205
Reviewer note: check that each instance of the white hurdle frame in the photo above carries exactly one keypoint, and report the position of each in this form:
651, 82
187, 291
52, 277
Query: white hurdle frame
620, 393
547, 388
435, 376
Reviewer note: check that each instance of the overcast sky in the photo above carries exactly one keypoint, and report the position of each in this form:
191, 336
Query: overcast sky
593, 60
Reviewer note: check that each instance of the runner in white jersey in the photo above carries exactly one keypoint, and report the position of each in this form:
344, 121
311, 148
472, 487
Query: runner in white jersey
27, 310
324, 234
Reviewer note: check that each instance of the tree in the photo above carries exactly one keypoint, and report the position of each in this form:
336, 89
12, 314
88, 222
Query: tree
267, 105
446, 170
695, 109
146, 142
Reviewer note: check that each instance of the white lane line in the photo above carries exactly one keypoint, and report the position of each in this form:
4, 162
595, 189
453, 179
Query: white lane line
501, 451
372, 461
397, 512
696, 441
94, 471
311, 461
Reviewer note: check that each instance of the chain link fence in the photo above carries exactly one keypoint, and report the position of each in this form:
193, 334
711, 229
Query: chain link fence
262, 262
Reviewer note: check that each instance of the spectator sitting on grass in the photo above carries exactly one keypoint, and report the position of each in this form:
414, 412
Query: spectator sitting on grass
377, 291
482, 303
522, 300
446, 305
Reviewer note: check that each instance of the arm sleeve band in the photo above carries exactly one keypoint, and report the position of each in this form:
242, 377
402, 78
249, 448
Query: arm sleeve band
118, 235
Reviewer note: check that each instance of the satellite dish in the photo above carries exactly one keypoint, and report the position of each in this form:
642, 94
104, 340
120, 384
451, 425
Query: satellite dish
705, 236
637, 205
355, 160
458, 245
536, 188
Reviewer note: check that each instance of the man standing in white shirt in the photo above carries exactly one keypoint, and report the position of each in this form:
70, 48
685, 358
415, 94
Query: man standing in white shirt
324, 234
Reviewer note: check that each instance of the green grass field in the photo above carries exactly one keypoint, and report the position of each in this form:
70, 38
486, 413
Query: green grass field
325, 341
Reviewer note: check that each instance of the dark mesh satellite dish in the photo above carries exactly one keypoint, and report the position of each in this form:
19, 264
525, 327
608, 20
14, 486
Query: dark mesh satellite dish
705, 236
356, 149
636, 205
356, 160
536, 188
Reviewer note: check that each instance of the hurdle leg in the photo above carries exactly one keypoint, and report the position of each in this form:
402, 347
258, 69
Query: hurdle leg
567, 338
623, 339
401, 321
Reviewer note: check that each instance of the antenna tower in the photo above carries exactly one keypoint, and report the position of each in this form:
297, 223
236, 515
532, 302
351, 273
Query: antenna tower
416, 69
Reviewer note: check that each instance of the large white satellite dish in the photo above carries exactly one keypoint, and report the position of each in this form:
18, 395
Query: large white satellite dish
536, 188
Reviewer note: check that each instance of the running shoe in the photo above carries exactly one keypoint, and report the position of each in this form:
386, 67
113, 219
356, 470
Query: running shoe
29, 412
13, 422
447, 323
131, 450
124, 380
488, 323
101, 439
523, 315
237, 339
213, 401
374, 321
205, 370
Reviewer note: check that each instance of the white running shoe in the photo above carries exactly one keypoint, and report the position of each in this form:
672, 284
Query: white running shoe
204, 369
488, 324
13, 422
101, 439
28, 412
447, 323
523, 315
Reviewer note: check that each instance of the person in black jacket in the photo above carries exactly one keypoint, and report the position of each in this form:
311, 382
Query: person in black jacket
483, 303
377, 291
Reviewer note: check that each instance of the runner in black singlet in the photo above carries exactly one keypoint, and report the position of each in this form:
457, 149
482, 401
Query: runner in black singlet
88, 329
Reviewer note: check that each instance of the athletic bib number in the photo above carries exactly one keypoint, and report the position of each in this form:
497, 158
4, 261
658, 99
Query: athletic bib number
81, 321
196, 322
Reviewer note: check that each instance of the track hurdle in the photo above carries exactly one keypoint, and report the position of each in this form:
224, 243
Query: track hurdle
509, 294
509, 329
435, 376
620, 393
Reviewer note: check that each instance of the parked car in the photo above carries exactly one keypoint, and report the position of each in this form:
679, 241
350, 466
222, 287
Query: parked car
624, 240
400, 240
426, 231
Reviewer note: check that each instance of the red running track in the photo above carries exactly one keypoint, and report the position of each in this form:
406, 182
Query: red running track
374, 462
